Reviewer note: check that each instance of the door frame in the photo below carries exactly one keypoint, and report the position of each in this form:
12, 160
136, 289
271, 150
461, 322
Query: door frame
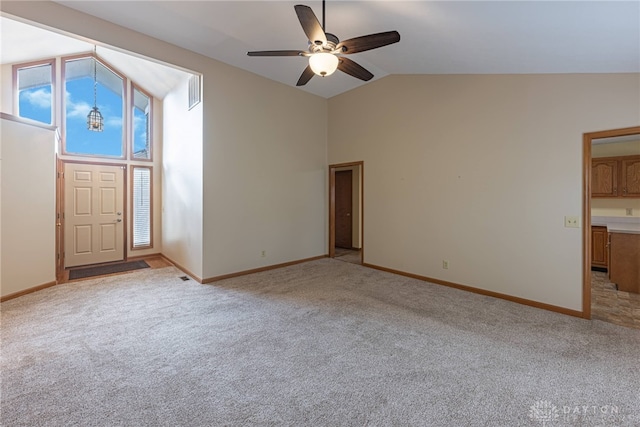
332, 206
60, 202
586, 208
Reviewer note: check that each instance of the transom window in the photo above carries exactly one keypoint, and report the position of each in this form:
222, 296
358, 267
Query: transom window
35, 91
79, 75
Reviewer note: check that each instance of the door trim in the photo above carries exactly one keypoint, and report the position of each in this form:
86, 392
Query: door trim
332, 206
586, 209
60, 211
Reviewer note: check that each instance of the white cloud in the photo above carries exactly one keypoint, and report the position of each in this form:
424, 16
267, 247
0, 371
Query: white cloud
39, 98
140, 127
78, 109
113, 121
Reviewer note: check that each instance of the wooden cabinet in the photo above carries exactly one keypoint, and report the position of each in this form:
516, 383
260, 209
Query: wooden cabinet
630, 174
604, 178
599, 247
624, 261
617, 177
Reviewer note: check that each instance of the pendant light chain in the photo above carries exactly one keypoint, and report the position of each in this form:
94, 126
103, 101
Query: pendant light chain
95, 122
95, 79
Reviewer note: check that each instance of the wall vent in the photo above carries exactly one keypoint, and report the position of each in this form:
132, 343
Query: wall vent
194, 90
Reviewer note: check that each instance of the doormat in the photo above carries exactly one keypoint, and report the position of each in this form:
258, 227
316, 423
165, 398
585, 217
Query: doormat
81, 273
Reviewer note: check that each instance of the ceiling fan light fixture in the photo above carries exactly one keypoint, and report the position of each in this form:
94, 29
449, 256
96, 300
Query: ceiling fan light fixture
323, 63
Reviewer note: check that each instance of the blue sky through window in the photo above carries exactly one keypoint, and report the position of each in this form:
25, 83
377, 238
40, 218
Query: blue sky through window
79, 101
35, 103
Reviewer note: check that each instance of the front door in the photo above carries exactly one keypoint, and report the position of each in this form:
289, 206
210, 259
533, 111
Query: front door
344, 205
93, 214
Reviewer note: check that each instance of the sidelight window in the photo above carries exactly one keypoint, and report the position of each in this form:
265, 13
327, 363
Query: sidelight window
141, 207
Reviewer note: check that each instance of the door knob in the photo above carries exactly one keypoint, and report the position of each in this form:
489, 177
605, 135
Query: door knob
119, 213
119, 220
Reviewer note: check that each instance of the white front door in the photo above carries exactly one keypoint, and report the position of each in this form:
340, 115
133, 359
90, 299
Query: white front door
93, 214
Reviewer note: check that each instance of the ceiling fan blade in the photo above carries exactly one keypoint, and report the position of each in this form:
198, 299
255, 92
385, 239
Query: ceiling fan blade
310, 24
372, 41
305, 77
275, 53
353, 69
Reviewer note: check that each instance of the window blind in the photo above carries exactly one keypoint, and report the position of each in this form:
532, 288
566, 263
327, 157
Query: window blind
141, 207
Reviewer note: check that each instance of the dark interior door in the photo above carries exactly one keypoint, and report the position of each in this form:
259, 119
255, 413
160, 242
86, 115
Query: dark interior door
343, 209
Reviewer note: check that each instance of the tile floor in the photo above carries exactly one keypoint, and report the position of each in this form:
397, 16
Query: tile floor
611, 305
353, 256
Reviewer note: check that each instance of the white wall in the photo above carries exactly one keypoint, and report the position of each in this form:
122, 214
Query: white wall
479, 171
27, 165
182, 181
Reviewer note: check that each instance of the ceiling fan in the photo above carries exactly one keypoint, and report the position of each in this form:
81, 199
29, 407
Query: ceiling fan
326, 51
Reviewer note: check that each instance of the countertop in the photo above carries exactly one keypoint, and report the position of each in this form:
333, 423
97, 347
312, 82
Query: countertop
618, 224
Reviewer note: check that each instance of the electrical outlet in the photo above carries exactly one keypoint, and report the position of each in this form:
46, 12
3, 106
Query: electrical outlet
263, 254
629, 211
445, 264
572, 221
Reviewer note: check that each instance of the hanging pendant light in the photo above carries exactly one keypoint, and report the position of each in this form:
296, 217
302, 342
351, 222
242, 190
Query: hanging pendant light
95, 122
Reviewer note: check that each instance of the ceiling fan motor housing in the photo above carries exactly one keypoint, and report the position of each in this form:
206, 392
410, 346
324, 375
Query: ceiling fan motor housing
330, 46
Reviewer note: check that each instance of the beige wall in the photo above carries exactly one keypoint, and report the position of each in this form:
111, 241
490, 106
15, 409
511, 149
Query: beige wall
628, 148
479, 171
615, 207
265, 174
6, 82
27, 164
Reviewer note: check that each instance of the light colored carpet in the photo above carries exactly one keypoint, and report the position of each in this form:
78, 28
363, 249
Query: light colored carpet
323, 343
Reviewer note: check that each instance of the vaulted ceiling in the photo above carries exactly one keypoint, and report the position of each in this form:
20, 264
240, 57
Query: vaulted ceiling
437, 37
